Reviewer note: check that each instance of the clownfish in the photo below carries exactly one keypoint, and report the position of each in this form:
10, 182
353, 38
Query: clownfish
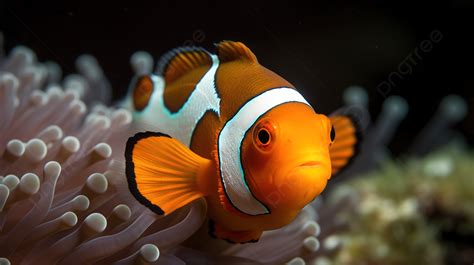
235, 133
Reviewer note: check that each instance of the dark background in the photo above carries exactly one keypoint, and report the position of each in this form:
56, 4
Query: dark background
321, 48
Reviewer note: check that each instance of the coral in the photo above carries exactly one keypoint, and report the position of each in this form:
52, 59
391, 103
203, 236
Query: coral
401, 213
63, 192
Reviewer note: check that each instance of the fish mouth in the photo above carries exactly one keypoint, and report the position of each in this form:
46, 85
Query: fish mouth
306, 181
311, 168
310, 164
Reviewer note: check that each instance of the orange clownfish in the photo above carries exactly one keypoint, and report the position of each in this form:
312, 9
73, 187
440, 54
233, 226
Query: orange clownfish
234, 133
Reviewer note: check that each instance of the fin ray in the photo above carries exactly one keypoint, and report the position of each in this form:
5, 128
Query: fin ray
232, 50
179, 61
342, 154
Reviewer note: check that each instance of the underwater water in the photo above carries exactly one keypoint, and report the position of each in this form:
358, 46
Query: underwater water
63, 193
406, 198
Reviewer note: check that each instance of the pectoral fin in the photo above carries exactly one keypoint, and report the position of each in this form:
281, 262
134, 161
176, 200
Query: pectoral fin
348, 135
162, 173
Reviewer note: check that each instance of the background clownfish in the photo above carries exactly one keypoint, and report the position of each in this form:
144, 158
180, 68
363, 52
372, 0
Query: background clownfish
235, 133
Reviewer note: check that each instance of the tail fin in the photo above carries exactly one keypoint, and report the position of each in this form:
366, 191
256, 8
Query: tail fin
348, 130
162, 173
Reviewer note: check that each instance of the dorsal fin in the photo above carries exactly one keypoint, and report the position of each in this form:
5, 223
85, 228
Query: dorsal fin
232, 50
179, 61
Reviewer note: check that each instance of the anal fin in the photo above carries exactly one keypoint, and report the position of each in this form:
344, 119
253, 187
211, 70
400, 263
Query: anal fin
248, 236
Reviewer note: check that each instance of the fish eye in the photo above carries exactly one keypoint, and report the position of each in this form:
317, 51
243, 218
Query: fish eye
264, 135
332, 134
